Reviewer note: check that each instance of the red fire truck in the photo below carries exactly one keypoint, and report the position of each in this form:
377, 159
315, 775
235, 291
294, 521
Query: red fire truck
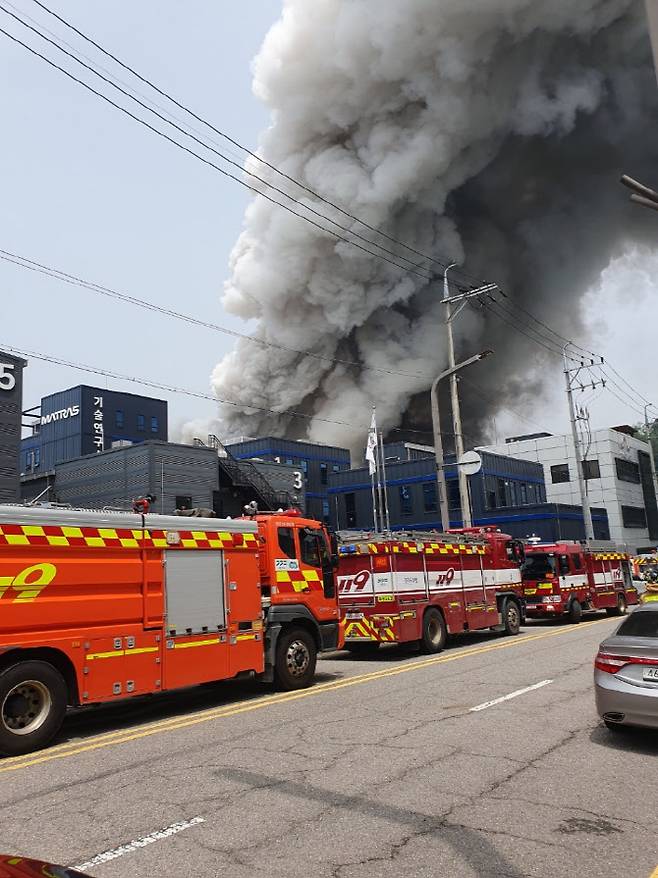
423, 586
99, 606
569, 578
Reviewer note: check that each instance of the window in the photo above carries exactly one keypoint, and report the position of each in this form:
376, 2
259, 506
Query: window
627, 471
312, 546
323, 473
503, 495
304, 465
325, 511
406, 507
287, 542
154, 425
538, 565
564, 565
289, 461
644, 624
491, 499
141, 423
350, 509
183, 502
429, 497
335, 468
591, 469
560, 473
524, 494
118, 419
577, 562
633, 516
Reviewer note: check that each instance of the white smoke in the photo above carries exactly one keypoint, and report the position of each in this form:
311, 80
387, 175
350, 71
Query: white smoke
487, 132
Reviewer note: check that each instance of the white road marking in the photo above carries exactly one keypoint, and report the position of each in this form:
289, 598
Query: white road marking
137, 843
511, 695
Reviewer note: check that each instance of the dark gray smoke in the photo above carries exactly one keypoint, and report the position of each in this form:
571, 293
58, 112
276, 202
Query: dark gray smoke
487, 132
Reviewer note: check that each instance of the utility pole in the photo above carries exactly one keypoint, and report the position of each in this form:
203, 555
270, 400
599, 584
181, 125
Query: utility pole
448, 300
438, 442
570, 375
647, 426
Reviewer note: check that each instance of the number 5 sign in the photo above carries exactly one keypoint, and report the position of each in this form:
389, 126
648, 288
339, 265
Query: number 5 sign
7, 377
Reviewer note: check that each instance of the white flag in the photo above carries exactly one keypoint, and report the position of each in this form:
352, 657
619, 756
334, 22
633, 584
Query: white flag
371, 445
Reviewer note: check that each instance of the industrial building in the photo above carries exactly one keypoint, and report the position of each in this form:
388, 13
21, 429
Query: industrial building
11, 406
86, 420
507, 493
618, 476
179, 476
315, 465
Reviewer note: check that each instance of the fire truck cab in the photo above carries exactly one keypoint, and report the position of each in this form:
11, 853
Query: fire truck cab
99, 606
568, 578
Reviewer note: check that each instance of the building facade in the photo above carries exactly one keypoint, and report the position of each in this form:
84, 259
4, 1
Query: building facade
86, 420
507, 493
314, 464
618, 476
11, 407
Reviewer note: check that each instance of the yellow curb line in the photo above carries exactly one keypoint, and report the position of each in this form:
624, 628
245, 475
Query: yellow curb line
63, 751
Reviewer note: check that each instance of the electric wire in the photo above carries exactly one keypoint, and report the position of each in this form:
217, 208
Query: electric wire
411, 266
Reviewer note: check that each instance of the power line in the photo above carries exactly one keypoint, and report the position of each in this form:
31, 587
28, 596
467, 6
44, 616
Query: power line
207, 161
234, 142
196, 394
411, 266
57, 274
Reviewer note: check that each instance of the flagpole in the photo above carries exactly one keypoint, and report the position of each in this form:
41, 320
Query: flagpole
380, 496
371, 457
381, 446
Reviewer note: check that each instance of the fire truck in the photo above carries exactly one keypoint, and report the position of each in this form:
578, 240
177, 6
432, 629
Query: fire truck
421, 587
568, 578
99, 606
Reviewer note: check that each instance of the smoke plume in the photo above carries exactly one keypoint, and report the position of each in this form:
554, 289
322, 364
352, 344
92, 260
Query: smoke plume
485, 132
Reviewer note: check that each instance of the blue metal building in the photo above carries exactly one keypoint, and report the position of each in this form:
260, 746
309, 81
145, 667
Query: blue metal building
83, 420
508, 493
317, 464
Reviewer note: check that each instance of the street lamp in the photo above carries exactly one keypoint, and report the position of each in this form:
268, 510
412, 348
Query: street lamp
438, 443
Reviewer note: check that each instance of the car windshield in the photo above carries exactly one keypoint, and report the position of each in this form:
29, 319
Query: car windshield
537, 565
644, 624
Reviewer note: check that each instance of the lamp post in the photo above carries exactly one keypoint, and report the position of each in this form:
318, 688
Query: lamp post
438, 443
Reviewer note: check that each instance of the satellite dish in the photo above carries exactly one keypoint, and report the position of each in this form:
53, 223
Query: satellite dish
470, 463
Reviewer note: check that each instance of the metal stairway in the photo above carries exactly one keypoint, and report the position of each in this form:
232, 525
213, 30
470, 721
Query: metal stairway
244, 474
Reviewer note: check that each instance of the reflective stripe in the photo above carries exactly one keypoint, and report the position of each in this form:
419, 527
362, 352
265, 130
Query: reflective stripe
196, 643
120, 652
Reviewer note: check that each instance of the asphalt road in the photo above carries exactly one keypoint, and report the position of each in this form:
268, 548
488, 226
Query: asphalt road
381, 769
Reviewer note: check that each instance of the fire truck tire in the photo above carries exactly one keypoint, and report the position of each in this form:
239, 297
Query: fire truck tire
511, 618
620, 609
33, 699
435, 634
575, 612
296, 655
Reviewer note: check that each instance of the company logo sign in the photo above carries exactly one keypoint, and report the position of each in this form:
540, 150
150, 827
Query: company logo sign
71, 411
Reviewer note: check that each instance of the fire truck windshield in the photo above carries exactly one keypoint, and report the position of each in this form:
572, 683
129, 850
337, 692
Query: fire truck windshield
537, 565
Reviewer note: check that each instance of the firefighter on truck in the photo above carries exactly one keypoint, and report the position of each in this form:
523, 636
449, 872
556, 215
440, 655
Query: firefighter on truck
98, 606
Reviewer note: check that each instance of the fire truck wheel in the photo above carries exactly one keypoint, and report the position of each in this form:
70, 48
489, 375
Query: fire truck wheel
511, 618
296, 655
620, 609
33, 700
575, 612
434, 631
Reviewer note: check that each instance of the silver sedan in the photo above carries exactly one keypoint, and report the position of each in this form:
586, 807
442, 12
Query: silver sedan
626, 672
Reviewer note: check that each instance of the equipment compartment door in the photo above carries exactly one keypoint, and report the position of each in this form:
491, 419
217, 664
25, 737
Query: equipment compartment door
195, 591
196, 647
